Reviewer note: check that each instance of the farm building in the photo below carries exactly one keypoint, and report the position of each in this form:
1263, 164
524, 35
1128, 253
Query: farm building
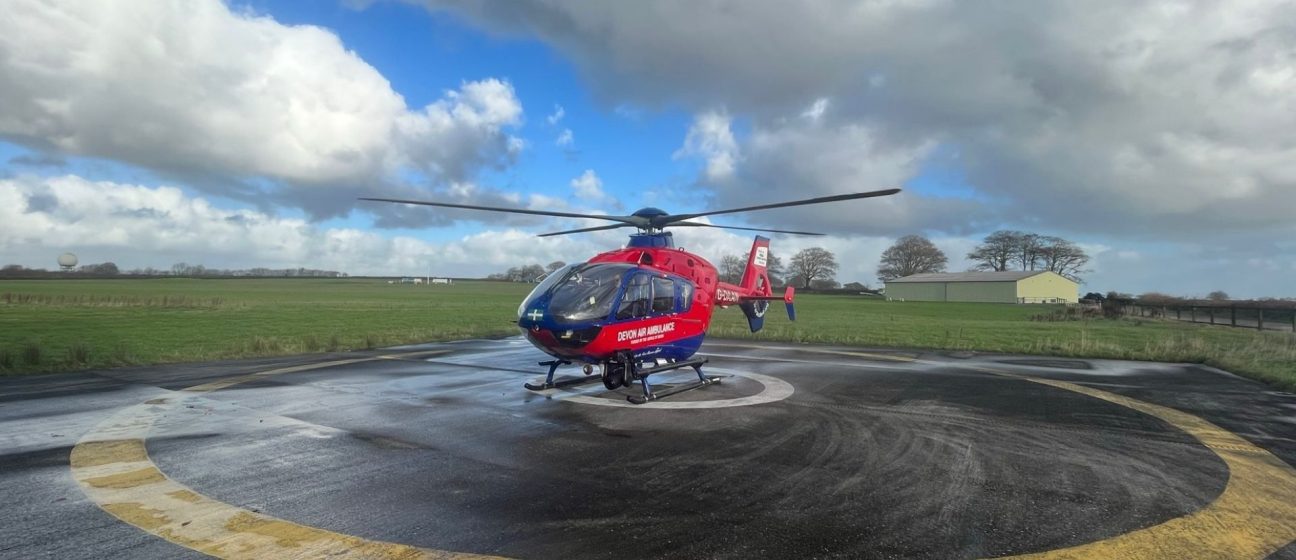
1013, 286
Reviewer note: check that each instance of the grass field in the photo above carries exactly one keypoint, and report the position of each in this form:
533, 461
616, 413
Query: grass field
58, 325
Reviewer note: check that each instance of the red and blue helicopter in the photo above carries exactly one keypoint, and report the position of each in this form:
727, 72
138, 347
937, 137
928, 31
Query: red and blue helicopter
645, 308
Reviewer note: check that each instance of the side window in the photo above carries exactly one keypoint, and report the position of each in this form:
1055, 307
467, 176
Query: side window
663, 295
685, 295
637, 298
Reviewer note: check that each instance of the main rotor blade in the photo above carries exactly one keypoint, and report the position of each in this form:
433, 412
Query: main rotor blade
835, 198
622, 219
583, 230
695, 224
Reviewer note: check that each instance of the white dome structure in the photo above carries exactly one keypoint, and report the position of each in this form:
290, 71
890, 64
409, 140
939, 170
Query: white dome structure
67, 261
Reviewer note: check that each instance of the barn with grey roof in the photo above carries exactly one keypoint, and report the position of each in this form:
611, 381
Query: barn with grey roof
1011, 286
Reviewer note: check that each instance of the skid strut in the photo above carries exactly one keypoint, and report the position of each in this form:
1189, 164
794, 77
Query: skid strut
649, 395
549, 379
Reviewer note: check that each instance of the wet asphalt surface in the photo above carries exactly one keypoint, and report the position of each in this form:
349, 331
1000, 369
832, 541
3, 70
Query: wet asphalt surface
871, 456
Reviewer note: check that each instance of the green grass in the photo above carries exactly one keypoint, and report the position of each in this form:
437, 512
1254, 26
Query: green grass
987, 327
59, 325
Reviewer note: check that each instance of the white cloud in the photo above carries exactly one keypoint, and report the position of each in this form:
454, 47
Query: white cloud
199, 91
556, 116
816, 110
588, 186
137, 226
1150, 117
565, 138
711, 138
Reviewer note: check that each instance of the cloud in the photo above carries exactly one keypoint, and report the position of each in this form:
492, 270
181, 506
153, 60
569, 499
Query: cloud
138, 226
1148, 119
565, 138
816, 110
588, 186
711, 138
225, 100
556, 116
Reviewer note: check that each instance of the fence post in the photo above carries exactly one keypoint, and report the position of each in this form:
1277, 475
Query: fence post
1233, 318
1179, 313
1260, 315
1192, 313
1212, 311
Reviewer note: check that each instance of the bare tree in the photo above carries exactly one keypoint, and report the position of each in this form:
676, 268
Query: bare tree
732, 268
1218, 295
1061, 256
1027, 254
996, 251
911, 254
815, 263
554, 266
774, 266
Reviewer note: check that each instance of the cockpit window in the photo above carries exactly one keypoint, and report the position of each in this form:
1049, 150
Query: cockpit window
637, 299
544, 286
663, 295
586, 292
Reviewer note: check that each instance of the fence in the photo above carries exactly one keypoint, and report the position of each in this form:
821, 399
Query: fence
1259, 318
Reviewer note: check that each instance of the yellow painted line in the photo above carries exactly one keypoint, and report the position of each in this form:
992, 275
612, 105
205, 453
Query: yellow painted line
112, 466
1254, 516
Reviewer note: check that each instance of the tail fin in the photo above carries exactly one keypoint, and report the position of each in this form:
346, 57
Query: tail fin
756, 283
755, 280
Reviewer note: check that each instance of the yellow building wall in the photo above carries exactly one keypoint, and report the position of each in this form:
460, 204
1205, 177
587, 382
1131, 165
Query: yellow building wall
1049, 287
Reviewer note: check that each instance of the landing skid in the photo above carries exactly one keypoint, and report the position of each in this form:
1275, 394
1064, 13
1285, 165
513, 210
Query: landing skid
635, 374
649, 395
549, 379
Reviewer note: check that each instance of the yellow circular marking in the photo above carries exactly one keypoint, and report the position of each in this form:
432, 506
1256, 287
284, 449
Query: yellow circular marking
112, 466
1254, 516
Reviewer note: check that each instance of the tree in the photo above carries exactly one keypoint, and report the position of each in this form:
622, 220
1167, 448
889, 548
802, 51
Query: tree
554, 266
1009, 250
911, 254
774, 266
179, 269
1218, 295
1061, 256
1094, 296
812, 264
996, 251
107, 268
732, 268
1026, 254
532, 272
855, 286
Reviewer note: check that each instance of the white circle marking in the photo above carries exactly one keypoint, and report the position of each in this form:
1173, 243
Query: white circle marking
775, 389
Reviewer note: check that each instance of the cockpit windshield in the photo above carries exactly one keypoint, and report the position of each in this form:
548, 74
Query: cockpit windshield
584, 292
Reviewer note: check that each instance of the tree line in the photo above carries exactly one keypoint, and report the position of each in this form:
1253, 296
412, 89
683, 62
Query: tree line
526, 273
1002, 250
177, 269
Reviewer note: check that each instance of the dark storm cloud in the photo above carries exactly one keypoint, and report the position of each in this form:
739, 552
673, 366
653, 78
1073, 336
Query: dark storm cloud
1151, 118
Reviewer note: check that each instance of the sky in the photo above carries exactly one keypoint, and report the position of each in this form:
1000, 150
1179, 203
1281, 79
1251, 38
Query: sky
1155, 134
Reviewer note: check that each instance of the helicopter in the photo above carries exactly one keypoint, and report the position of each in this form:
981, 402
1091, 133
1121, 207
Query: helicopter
645, 308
